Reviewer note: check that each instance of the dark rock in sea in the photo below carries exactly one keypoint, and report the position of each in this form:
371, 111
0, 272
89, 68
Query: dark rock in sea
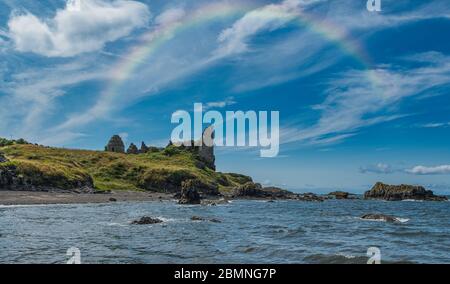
379, 217
255, 190
147, 221
339, 194
3, 159
197, 218
310, 197
278, 193
213, 220
189, 193
112, 199
401, 192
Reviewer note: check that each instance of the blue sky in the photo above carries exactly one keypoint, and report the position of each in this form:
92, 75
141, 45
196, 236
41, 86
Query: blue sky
363, 96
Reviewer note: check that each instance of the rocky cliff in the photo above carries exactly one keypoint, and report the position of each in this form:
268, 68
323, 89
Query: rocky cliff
38, 168
401, 192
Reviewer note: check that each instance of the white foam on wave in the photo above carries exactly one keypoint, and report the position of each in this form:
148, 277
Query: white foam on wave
400, 220
412, 200
166, 220
112, 224
348, 256
36, 205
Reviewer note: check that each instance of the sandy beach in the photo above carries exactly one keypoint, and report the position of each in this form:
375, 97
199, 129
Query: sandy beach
37, 198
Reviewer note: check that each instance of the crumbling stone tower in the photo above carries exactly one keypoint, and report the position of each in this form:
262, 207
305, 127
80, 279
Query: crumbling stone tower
206, 151
132, 149
116, 145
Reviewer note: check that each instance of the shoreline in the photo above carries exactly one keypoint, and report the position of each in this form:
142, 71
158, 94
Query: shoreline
8, 198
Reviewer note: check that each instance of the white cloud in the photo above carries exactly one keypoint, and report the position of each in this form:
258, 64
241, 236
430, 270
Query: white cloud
270, 17
71, 32
170, 16
437, 170
227, 102
379, 168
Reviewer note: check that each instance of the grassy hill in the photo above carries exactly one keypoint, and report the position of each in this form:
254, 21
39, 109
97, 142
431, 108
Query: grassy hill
159, 170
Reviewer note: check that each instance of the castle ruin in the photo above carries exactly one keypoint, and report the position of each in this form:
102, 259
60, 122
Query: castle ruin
115, 145
205, 152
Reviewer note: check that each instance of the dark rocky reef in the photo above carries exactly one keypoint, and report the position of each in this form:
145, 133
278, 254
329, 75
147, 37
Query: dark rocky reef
147, 221
255, 190
401, 192
198, 218
189, 193
380, 217
341, 195
310, 197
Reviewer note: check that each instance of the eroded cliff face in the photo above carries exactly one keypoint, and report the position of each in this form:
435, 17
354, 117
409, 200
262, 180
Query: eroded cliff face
401, 192
19, 178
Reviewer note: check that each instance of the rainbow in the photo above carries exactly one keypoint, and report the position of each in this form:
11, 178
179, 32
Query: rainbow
155, 39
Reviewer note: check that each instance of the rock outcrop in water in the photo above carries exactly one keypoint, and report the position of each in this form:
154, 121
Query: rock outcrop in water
339, 194
198, 218
189, 193
401, 192
255, 190
380, 217
147, 221
310, 197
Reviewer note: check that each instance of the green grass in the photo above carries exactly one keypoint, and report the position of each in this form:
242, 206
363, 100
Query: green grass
162, 170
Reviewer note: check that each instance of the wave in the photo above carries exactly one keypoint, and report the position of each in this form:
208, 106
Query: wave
397, 219
113, 224
339, 258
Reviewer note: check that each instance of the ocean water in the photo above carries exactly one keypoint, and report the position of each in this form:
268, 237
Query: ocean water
250, 232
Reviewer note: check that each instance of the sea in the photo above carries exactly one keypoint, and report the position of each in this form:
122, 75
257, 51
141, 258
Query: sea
249, 232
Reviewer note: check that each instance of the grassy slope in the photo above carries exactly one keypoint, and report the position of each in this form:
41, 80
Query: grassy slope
113, 171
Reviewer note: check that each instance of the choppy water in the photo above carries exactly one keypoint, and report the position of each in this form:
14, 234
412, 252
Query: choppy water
250, 232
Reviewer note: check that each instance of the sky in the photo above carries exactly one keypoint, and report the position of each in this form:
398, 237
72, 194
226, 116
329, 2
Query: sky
363, 96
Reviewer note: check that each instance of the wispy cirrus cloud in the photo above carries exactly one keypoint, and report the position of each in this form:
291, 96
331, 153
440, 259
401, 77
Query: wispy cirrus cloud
370, 97
221, 104
30, 97
434, 125
379, 168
